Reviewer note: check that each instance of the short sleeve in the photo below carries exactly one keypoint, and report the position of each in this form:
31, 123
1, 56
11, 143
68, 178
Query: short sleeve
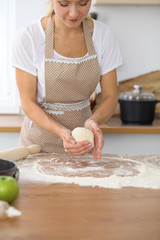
22, 56
111, 56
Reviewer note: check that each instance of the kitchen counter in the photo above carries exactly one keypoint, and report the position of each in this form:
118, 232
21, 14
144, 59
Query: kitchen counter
72, 212
114, 125
13, 123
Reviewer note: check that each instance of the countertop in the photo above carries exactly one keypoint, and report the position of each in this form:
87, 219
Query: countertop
72, 212
114, 125
13, 123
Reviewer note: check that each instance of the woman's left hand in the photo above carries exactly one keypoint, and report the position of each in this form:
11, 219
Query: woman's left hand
98, 138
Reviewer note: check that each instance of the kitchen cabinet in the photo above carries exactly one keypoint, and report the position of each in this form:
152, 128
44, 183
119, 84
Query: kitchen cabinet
10, 126
119, 139
115, 143
8, 140
127, 1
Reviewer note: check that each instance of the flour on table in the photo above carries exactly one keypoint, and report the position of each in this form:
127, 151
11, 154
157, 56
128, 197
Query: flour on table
112, 171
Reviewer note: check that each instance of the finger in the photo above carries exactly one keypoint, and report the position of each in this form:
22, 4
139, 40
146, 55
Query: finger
100, 143
94, 150
79, 152
70, 139
100, 140
94, 153
79, 148
79, 145
99, 155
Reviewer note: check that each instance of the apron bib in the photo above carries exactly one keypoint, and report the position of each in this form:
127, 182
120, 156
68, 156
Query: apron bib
68, 87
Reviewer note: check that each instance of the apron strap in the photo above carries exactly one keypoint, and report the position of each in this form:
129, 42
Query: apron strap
49, 39
88, 39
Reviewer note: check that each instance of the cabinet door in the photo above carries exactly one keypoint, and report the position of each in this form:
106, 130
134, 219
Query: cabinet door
127, 1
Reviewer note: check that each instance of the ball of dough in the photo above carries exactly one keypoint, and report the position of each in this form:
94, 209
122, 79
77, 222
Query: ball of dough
83, 134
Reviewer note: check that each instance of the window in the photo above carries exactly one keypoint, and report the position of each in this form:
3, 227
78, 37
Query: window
9, 97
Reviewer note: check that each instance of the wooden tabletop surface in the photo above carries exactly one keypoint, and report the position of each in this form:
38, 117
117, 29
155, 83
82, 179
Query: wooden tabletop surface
68, 211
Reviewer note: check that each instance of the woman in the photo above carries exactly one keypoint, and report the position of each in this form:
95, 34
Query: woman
59, 61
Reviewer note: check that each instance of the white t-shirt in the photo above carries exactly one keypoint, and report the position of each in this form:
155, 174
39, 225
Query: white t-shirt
28, 51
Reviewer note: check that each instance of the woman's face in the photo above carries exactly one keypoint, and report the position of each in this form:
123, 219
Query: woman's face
71, 12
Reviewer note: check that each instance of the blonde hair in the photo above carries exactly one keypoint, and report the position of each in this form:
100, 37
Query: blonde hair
50, 8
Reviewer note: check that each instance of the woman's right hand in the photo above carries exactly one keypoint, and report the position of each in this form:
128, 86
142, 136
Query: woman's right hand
72, 147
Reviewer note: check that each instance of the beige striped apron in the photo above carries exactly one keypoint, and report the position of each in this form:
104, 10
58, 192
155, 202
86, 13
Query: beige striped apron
68, 87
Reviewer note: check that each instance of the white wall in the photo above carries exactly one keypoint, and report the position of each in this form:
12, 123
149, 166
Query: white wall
28, 11
136, 27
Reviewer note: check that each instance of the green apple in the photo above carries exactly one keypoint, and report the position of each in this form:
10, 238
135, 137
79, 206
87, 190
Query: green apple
9, 188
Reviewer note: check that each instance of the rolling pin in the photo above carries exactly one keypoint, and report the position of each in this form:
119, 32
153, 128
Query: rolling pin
18, 153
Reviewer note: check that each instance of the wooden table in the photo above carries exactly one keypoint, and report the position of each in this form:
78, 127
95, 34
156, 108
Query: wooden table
67, 211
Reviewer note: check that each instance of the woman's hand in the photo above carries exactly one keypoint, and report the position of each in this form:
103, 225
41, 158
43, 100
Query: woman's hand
98, 138
72, 147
